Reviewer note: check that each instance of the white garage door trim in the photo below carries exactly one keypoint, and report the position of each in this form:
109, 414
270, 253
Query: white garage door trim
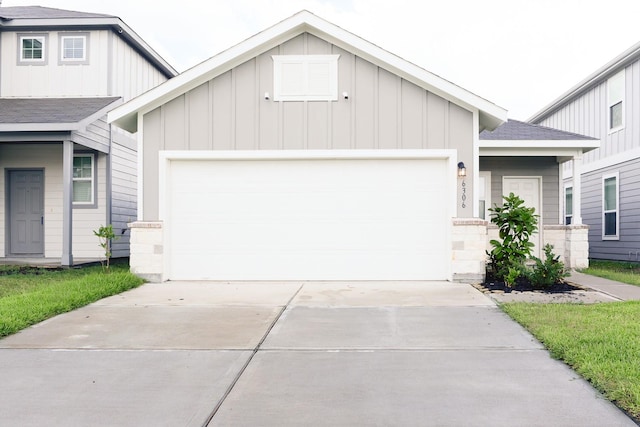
167, 157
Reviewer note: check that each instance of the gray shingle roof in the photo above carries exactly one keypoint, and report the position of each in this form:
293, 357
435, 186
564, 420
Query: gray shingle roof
514, 130
50, 110
39, 12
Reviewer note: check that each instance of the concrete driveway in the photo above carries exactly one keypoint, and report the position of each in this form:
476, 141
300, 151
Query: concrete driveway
291, 354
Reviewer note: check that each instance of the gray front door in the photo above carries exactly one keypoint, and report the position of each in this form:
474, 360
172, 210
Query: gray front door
26, 210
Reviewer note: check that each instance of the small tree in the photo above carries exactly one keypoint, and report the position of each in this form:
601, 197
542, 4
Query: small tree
516, 223
105, 235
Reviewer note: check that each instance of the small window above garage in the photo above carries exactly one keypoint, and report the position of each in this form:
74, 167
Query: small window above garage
305, 77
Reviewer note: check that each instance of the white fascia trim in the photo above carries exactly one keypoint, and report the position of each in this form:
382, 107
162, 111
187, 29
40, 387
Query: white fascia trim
308, 155
302, 22
529, 152
585, 144
39, 127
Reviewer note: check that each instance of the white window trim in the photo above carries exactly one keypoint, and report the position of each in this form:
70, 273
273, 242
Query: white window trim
92, 202
76, 61
564, 204
611, 102
331, 60
487, 193
32, 61
615, 175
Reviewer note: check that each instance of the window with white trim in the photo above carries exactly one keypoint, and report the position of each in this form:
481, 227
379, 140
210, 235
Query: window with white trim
83, 179
568, 205
610, 205
74, 48
615, 101
305, 77
32, 49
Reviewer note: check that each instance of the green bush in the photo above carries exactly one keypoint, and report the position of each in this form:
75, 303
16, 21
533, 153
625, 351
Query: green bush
546, 273
516, 223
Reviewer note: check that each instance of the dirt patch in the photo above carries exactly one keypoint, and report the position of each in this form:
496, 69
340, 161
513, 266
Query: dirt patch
26, 269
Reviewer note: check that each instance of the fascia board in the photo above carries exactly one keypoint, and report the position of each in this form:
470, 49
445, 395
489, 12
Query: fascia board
573, 144
38, 127
124, 116
529, 152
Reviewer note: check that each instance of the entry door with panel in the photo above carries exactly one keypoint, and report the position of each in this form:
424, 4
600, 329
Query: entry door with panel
26, 210
528, 189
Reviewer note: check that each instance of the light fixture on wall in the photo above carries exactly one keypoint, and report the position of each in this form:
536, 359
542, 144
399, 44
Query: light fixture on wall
462, 171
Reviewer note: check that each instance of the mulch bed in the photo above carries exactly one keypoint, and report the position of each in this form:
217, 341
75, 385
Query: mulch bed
524, 286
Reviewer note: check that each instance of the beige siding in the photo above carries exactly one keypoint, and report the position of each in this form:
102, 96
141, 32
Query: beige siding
230, 112
546, 167
49, 158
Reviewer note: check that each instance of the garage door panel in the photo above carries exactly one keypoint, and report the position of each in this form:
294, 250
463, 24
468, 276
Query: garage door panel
308, 220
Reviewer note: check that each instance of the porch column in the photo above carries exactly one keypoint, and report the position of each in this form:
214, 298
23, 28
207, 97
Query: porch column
67, 203
577, 189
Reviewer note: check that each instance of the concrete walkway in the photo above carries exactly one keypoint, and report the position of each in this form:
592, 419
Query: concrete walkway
617, 290
291, 354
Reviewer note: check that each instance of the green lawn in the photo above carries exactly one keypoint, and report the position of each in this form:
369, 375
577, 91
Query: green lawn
29, 296
626, 272
601, 342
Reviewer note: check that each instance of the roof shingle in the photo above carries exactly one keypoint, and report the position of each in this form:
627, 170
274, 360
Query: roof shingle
514, 130
39, 12
50, 110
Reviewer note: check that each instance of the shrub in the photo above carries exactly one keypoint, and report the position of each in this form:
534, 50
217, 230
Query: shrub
105, 235
516, 223
545, 274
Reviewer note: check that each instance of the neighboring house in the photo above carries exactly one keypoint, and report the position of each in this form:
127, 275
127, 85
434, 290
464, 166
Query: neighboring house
605, 105
308, 153
64, 170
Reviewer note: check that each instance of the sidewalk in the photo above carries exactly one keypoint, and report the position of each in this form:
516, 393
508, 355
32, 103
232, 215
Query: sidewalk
621, 291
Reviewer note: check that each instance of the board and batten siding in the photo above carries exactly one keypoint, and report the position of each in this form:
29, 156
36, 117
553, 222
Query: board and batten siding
229, 112
49, 158
131, 74
588, 115
114, 68
545, 167
627, 248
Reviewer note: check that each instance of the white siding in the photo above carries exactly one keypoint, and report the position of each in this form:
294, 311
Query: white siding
114, 69
49, 157
131, 74
54, 79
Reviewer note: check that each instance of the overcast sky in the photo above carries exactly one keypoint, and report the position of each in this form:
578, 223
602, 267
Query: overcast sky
519, 54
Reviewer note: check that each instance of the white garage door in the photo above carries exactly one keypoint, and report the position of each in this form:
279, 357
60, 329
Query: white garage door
375, 219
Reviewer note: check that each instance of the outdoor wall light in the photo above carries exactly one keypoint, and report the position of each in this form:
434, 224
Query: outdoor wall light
462, 171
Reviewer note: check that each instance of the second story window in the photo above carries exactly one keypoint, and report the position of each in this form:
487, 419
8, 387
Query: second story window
73, 48
615, 101
32, 49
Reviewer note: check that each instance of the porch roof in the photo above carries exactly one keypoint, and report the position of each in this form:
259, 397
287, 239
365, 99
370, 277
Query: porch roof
515, 130
52, 114
516, 138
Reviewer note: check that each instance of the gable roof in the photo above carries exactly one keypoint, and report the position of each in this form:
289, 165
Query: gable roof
51, 114
514, 130
609, 69
125, 116
33, 17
